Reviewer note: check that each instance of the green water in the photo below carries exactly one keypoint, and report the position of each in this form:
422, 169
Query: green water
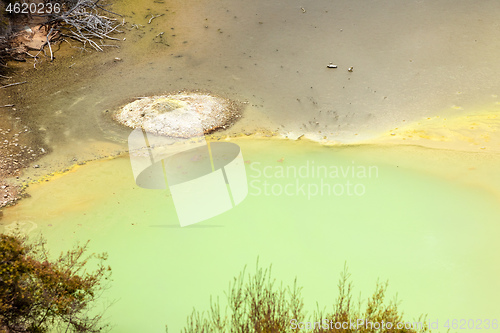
426, 220
433, 238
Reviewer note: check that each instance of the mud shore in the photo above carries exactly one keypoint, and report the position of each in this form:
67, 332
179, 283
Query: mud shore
19, 147
24, 38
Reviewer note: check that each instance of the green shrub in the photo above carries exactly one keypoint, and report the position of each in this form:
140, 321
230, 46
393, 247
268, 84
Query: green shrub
38, 294
256, 305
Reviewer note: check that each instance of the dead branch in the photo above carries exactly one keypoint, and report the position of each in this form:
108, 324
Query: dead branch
13, 84
29, 54
35, 58
153, 17
48, 42
84, 22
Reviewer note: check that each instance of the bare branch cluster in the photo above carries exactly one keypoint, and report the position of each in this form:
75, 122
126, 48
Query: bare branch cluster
84, 21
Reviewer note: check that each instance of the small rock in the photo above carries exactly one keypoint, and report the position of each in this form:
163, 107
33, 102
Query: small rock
36, 166
350, 69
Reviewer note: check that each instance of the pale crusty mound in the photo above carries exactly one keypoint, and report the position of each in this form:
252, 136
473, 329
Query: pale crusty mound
182, 115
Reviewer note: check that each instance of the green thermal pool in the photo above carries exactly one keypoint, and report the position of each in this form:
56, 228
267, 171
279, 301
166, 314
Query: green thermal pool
432, 233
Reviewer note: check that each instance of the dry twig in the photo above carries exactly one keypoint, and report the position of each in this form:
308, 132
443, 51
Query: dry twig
85, 22
153, 17
48, 42
13, 84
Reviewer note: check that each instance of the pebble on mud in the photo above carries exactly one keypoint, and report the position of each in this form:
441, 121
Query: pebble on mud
18, 146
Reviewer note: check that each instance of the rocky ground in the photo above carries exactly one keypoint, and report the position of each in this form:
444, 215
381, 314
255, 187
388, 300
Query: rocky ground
18, 149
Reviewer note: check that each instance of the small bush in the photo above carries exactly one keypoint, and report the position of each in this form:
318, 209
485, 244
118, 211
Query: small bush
257, 305
40, 295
